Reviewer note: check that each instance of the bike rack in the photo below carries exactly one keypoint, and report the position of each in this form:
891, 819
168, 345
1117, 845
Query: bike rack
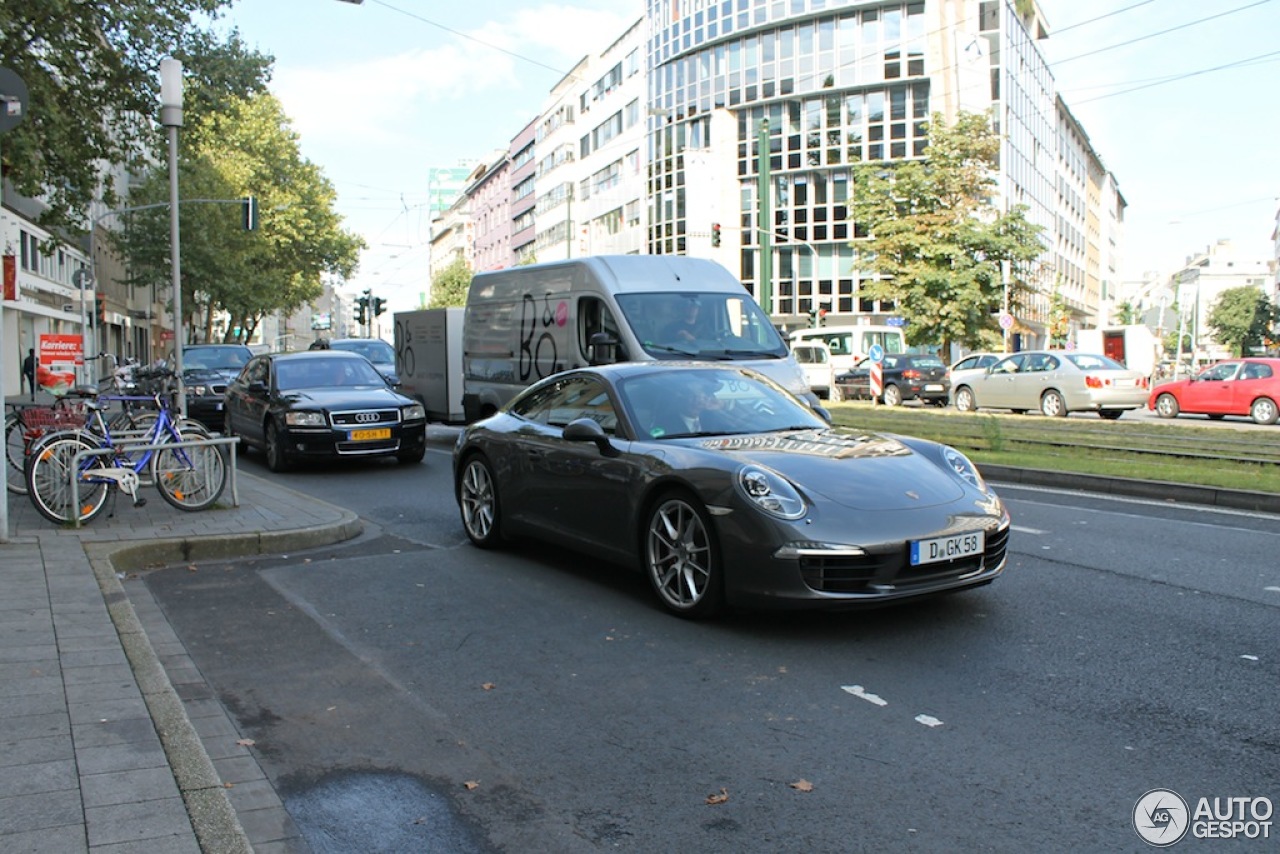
232, 441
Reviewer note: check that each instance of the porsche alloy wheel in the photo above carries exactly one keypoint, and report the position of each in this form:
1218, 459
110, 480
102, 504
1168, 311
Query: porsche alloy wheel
681, 560
478, 501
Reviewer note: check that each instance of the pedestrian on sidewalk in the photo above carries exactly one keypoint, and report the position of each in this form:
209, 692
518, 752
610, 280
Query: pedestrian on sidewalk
29, 373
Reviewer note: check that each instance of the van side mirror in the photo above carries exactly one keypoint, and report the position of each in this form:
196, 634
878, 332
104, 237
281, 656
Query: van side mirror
602, 349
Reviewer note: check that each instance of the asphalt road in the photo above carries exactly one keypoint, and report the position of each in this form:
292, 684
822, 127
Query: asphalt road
409, 692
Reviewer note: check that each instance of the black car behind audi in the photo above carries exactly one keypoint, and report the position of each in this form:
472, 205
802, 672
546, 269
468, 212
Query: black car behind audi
207, 370
322, 404
905, 376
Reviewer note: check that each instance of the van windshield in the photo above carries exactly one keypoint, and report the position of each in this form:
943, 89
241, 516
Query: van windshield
702, 326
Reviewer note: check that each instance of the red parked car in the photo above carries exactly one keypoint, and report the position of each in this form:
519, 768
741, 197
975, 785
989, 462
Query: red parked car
1249, 387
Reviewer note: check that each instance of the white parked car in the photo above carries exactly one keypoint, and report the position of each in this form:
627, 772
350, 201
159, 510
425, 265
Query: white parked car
815, 361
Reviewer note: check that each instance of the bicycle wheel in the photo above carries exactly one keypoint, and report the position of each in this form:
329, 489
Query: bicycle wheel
191, 478
15, 454
48, 478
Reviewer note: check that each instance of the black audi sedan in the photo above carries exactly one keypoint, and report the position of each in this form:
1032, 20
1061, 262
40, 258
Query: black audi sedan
322, 404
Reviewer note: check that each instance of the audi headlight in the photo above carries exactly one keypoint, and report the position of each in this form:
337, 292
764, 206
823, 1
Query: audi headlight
305, 419
963, 468
770, 492
417, 412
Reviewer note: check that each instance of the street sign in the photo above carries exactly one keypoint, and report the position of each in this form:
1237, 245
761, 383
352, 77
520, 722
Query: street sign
876, 353
1006, 320
877, 378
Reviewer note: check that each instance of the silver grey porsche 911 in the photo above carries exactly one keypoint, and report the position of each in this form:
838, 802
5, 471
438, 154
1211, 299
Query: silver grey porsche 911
727, 491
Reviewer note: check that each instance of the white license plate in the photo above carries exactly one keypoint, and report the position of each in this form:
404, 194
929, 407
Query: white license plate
933, 387
946, 548
370, 435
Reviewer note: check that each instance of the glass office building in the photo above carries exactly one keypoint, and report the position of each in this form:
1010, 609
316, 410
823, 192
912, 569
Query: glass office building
833, 84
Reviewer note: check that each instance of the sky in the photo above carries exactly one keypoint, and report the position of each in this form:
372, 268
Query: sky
381, 92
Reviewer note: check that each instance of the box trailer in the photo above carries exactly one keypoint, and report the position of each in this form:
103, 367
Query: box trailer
428, 347
1134, 346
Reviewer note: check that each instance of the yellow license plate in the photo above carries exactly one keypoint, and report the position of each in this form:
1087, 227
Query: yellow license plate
369, 435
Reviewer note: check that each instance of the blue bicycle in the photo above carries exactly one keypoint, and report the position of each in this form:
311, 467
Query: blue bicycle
190, 477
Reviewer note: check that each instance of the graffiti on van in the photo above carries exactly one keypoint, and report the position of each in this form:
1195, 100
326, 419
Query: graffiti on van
535, 354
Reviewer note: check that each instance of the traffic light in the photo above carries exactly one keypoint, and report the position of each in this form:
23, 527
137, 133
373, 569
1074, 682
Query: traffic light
813, 318
379, 306
822, 317
715, 234
100, 308
250, 213
362, 308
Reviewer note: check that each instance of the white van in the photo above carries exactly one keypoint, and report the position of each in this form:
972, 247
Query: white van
851, 344
814, 359
525, 323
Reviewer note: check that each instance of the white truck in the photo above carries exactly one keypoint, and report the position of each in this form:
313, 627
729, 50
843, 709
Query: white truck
529, 322
428, 346
1134, 346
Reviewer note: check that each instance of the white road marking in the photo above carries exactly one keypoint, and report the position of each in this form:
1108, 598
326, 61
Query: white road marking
1249, 657
1022, 530
928, 720
859, 691
1272, 589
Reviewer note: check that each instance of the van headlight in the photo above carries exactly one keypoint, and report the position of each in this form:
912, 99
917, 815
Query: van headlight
771, 492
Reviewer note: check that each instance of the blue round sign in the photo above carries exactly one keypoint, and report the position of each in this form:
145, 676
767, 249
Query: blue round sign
876, 353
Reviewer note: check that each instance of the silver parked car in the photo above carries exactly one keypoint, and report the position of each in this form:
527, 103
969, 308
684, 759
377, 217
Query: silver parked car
1056, 382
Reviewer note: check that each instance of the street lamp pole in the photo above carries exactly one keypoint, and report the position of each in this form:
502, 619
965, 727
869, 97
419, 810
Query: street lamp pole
171, 118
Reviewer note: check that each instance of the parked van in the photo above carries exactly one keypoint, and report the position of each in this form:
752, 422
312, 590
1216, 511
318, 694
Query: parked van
525, 323
851, 344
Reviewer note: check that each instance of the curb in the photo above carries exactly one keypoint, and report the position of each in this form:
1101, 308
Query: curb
212, 816
1212, 496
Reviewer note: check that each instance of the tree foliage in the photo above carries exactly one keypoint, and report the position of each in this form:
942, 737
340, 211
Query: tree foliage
92, 72
246, 148
1241, 318
930, 230
450, 287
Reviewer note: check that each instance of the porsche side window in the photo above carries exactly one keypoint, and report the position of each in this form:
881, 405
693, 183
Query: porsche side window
569, 400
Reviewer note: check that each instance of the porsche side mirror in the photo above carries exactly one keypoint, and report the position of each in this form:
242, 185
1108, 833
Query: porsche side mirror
588, 430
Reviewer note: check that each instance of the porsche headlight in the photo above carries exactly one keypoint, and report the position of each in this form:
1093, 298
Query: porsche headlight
963, 468
417, 412
770, 492
305, 419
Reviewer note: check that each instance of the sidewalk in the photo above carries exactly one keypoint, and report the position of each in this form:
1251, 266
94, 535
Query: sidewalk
98, 750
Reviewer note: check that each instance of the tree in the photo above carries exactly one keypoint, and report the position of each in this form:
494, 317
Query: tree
929, 230
450, 287
1241, 318
92, 73
246, 149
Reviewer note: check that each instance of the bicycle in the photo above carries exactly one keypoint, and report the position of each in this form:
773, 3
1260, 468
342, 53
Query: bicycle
189, 477
25, 424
